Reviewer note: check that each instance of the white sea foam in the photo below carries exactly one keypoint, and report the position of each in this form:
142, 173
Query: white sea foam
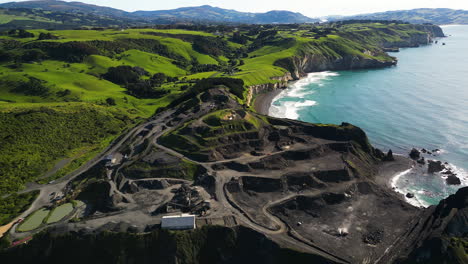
395, 178
417, 200
461, 174
290, 109
413, 201
298, 89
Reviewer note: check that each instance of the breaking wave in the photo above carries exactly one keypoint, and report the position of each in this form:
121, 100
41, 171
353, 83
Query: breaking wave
288, 103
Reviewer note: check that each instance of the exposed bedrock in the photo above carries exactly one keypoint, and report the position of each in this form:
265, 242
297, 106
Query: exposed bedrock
435, 166
298, 66
453, 180
439, 235
357, 222
262, 184
334, 175
415, 154
298, 181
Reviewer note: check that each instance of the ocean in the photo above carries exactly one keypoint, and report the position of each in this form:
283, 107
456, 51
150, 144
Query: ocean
420, 103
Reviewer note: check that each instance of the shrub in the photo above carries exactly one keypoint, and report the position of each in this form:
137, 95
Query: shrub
110, 101
5, 56
144, 89
25, 34
158, 79
211, 46
121, 75
43, 36
236, 86
33, 86
31, 55
63, 93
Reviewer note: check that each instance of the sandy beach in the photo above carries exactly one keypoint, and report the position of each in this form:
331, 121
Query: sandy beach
263, 101
389, 170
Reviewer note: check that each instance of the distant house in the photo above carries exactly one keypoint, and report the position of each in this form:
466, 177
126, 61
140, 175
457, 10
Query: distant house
178, 222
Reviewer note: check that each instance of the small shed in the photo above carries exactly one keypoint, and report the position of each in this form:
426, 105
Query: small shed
178, 222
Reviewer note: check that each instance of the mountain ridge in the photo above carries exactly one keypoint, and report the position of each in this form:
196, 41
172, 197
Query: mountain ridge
439, 16
213, 14
204, 13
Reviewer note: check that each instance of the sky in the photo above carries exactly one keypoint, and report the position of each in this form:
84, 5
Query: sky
312, 8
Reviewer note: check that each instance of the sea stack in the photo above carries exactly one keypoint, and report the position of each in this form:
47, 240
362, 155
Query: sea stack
415, 154
389, 156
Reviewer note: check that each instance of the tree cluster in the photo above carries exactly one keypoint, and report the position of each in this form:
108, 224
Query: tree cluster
131, 78
33, 87
20, 33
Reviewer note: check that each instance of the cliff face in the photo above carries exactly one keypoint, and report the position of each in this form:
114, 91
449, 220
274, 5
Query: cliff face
434, 30
310, 61
439, 235
314, 63
427, 35
282, 82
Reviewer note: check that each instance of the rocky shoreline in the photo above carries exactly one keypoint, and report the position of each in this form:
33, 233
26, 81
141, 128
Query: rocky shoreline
261, 96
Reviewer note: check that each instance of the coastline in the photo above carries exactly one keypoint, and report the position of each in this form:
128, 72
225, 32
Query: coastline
389, 170
263, 101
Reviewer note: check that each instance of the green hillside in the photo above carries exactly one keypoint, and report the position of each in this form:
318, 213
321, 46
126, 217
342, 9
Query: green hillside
66, 94
437, 16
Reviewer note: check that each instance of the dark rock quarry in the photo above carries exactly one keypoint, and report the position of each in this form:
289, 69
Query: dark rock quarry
313, 194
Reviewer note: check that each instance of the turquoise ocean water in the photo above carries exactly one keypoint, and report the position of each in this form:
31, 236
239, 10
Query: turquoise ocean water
421, 103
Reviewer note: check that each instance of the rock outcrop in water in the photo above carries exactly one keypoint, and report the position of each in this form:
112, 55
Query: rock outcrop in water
435, 166
389, 156
415, 154
453, 180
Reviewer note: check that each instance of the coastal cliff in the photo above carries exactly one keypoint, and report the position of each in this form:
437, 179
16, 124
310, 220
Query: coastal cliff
313, 57
438, 235
280, 83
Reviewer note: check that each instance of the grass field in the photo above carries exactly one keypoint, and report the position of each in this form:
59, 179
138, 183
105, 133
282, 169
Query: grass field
5, 17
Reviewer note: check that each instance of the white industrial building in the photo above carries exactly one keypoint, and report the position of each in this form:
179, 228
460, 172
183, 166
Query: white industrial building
178, 222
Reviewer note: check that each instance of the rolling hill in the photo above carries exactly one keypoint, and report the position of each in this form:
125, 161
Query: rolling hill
200, 14
438, 16
215, 14
70, 7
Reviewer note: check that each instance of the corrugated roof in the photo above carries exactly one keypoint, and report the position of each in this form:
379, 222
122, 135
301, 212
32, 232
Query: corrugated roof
178, 221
